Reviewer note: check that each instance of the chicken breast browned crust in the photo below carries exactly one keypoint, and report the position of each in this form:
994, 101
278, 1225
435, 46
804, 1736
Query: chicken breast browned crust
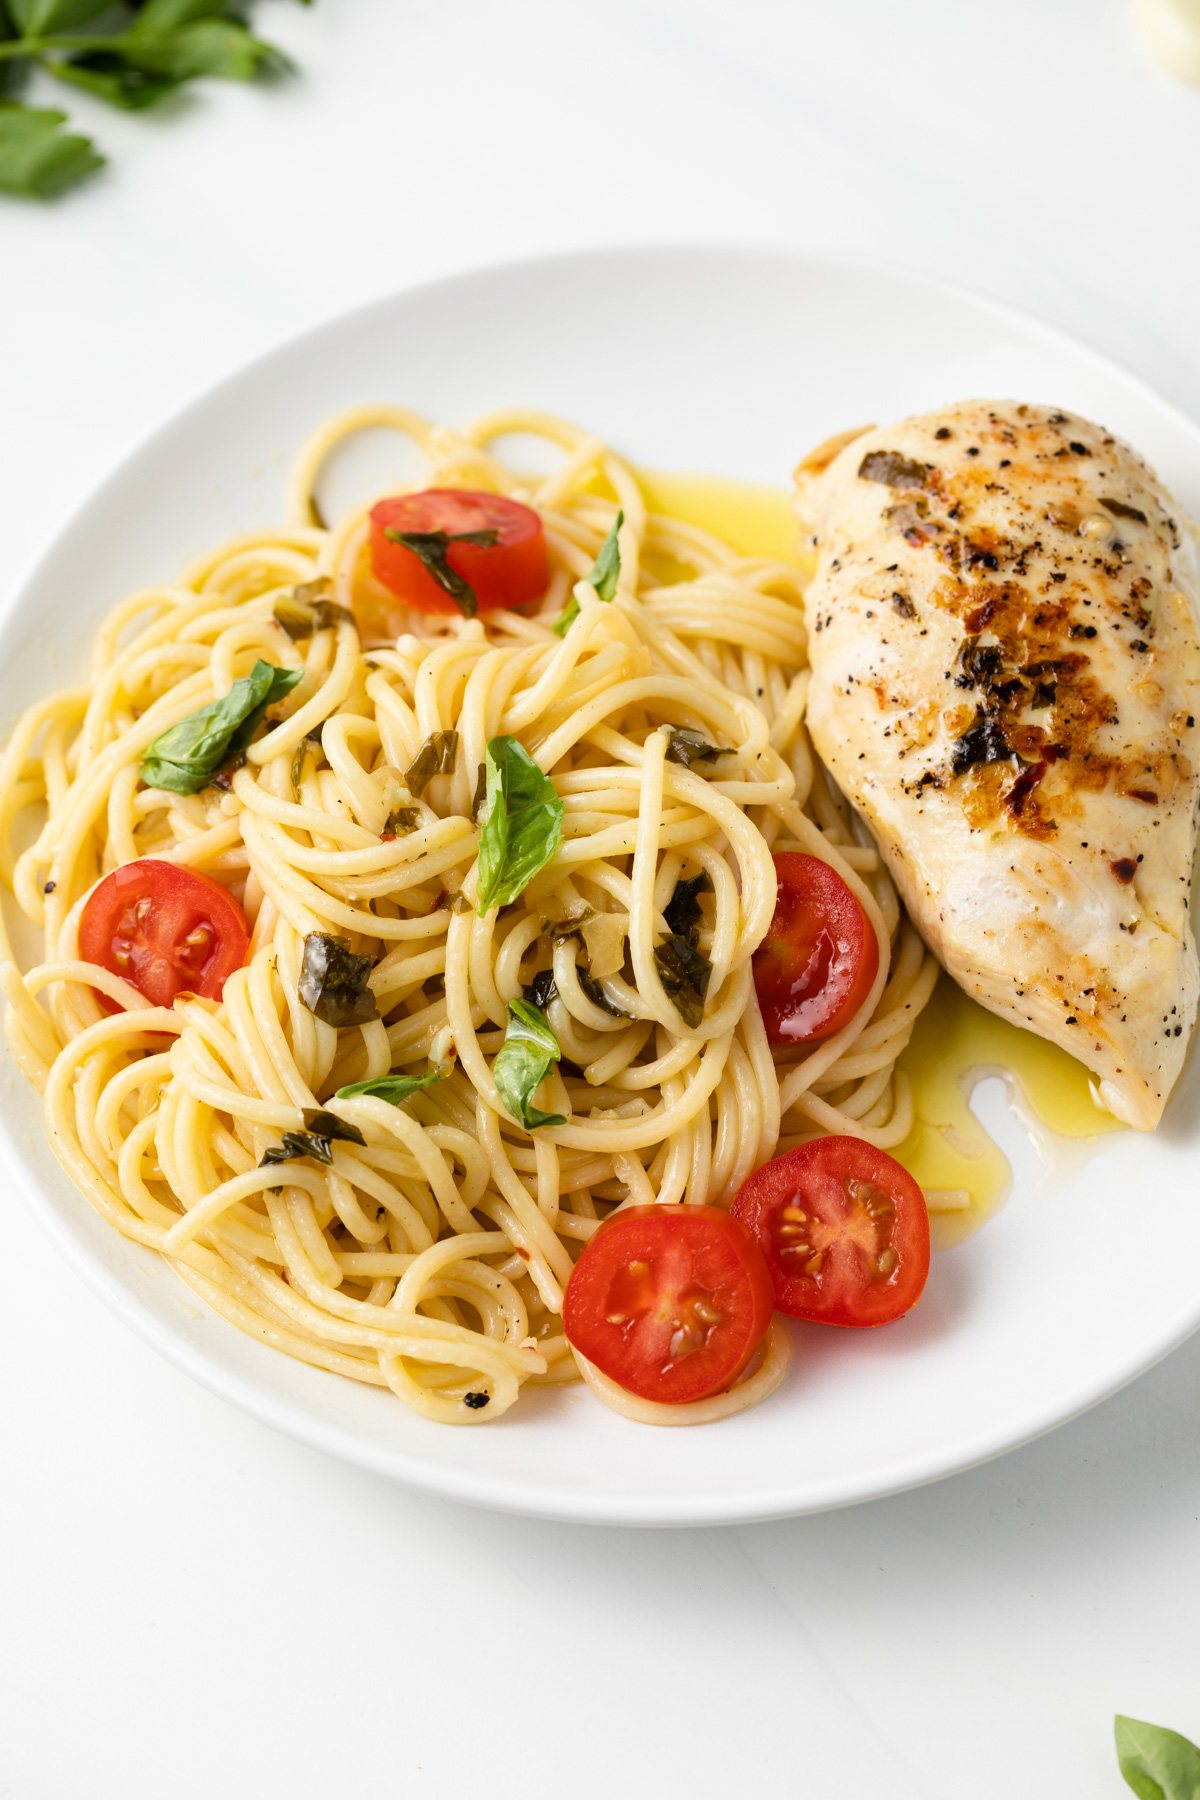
1006, 683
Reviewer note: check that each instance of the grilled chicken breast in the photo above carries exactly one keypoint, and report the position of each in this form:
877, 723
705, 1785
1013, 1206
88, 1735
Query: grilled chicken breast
1006, 684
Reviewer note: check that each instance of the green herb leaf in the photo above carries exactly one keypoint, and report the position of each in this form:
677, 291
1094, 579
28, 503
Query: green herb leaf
1158, 1764
393, 1088
606, 571
597, 995
400, 821
437, 756
38, 18
110, 78
308, 608
688, 747
209, 46
524, 823
36, 157
525, 1058
682, 911
432, 548
685, 974
541, 990
169, 15
333, 981
187, 756
316, 1140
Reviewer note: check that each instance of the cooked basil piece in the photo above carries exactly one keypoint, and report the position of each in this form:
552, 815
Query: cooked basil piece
541, 990
605, 573
1121, 510
688, 747
437, 756
598, 997
524, 824
401, 820
564, 930
684, 973
321, 1128
185, 757
682, 911
891, 469
308, 608
523, 1061
333, 981
431, 548
480, 800
393, 1088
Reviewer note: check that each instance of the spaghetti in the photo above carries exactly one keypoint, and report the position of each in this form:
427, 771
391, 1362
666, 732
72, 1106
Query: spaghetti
431, 1256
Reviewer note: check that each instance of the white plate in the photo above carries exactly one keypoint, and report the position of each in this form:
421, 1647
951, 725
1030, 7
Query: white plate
732, 362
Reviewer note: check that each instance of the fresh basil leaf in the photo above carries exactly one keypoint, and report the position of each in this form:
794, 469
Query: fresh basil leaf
432, 550
682, 911
38, 18
523, 1061
541, 990
333, 981
37, 159
321, 1128
685, 974
437, 756
393, 1088
187, 756
216, 47
308, 608
524, 823
605, 573
1158, 1764
110, 78
688, 747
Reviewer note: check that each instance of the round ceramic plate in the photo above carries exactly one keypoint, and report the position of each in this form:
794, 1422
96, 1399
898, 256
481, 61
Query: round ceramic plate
737, 363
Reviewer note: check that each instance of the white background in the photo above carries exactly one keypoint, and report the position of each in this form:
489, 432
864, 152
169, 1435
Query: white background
191, 1606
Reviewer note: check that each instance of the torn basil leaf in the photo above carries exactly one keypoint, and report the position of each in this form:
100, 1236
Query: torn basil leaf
187, 756
333, 981
432, 550
598, 997
541, 990
393, 1088
605, 573
400, 821
437, 756
682, 911
684, 973
524, 824
321, 1128
523, 1061
308, 608
1158, 1764
688, 747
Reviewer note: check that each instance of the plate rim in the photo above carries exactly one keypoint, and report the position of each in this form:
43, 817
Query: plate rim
480, 1487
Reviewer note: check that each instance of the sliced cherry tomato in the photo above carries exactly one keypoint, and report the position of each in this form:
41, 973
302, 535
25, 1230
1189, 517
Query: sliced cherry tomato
844, 1229
671, 1302
165, 929
814, 968
508, 571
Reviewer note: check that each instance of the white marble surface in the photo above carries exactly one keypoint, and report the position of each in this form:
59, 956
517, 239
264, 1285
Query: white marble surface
190, 1605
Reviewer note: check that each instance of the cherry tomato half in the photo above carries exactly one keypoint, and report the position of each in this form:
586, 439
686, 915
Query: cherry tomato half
165, 929
507, 572
814, 968
671, 1302
844, 1229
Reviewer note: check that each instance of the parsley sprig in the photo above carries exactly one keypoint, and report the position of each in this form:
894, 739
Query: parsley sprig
130, 54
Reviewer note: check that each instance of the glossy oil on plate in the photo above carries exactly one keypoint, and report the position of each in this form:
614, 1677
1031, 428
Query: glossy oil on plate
737, 363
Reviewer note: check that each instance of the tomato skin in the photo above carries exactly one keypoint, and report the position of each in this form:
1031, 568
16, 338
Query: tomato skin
814, 968
165, 929
670, 1302
858, 1214
510, 572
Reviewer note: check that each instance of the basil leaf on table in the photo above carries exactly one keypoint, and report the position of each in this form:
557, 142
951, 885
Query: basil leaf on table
393, 1088
38, 18
523, 1061
110, 78
524, 824
321, 1128
38, 159
333, 981
187, 756
1158, 1764
604, 576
